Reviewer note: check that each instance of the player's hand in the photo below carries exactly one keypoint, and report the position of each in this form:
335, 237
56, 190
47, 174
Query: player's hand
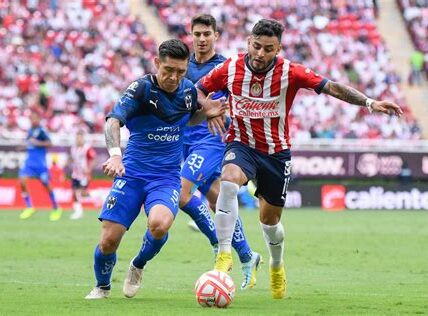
214, 110
216, 107
114, 166
387, 107
216, 125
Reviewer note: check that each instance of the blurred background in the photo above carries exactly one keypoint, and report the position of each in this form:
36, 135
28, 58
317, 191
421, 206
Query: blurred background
73, 59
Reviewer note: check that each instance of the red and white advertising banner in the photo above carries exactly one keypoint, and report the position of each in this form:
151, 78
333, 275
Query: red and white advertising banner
11, 195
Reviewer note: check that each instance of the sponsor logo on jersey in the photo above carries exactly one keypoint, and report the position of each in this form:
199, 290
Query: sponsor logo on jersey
133, 86
120, 184
251, 108
165, 134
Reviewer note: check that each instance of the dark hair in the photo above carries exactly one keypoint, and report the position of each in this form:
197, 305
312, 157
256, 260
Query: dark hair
174, 48
268, 28
205, 19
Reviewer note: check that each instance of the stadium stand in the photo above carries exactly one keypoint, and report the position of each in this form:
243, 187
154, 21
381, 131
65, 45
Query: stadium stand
415, 14
75, 58
71, 57
336, 38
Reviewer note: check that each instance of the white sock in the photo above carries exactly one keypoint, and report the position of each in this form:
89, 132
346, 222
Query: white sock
226, 215
77, 207
274, 238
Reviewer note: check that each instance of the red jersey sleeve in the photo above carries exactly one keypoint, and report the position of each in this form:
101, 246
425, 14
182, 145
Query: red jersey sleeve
306, 78
90, 154
216, 79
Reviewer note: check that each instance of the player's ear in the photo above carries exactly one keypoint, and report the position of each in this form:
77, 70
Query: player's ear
216, 35
157, 62
249, 41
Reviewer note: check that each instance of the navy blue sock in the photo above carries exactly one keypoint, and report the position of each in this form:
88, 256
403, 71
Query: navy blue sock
27, 199
149, 249
199, 212
53, 200
103, 267
240, 244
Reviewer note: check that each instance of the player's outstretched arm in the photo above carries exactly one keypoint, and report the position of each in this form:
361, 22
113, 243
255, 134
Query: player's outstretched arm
353, 96
211, 107
113, 166
210, 110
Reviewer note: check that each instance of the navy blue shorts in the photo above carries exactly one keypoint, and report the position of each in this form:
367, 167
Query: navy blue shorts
79, 184
271, 172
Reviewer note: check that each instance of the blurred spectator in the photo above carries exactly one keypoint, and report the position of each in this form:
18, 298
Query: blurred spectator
417, 68
415, 14
68, 54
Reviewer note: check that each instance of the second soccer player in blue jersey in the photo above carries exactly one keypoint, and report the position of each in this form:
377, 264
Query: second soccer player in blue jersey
203, 154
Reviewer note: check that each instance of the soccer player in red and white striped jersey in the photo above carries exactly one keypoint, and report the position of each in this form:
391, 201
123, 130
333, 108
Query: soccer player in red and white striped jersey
262, 87
82, 157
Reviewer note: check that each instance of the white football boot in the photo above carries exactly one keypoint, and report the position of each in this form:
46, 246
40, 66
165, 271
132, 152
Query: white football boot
97, 293
132, 282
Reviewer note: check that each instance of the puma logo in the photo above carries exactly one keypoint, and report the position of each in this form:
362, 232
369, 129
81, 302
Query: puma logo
155, 103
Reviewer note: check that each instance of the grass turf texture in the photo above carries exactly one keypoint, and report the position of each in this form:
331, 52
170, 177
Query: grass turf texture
338, 263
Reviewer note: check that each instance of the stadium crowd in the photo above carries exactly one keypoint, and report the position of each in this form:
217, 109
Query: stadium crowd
71, 57
74, 58
415, 13
336, 38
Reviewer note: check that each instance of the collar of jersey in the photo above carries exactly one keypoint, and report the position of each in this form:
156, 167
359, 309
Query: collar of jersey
193, 59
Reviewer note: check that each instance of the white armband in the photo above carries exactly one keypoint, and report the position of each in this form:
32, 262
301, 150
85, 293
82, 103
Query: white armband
115, 151
369, 103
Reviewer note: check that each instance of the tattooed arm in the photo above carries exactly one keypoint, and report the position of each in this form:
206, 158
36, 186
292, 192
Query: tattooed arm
354, 96
113, 166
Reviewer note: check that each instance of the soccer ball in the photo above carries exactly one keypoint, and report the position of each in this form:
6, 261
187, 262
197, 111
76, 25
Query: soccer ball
214, 288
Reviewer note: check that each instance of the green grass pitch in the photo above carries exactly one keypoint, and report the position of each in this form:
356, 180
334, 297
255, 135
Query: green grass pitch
338, 263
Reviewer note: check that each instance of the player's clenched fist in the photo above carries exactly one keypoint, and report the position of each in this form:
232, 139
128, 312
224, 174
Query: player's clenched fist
114, 166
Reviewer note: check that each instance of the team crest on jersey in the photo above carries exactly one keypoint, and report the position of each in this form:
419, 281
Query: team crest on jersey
256, 89
188, 101
230, 156
111, 202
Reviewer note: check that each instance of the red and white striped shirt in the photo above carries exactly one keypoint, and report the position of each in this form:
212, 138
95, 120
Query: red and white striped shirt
260, 102
81, 157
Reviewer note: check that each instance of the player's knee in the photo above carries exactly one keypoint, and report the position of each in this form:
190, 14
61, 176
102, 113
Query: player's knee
159, 229
108, 245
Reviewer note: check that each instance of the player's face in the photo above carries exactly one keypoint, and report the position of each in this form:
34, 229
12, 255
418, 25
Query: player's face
203, 37
262, 50
170, 72
79, 139
34, 119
